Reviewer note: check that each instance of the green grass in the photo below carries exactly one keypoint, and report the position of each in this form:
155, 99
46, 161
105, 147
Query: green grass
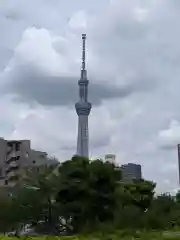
121, 235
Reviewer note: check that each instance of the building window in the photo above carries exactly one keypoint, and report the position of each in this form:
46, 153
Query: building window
9, 144
17, 146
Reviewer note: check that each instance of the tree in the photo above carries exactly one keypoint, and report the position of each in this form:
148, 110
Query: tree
87, 191
103, 180
86, 195
73, 190
7, 219
42, 184
20, 207
163, 203
28, 204
129, 216
177, 197
140, 194
164, 212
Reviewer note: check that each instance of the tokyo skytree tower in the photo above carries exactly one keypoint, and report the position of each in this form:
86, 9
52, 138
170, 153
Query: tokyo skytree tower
83, 108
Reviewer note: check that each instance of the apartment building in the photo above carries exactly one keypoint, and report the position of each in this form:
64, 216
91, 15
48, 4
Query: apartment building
16, 155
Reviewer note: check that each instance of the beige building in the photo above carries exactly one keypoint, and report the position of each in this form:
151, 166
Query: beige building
16, 155
110, 158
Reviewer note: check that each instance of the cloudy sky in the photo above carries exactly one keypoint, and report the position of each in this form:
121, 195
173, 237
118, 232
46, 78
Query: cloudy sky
133, 61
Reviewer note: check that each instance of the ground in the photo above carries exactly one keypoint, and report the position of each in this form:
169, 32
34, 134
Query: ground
124, 235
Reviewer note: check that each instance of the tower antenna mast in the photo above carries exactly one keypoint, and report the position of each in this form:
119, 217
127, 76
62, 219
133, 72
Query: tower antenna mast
83, 52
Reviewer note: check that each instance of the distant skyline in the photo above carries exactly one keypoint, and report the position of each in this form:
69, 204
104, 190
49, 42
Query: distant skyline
133, 64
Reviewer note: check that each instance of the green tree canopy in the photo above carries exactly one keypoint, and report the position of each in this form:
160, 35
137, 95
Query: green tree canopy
87, 190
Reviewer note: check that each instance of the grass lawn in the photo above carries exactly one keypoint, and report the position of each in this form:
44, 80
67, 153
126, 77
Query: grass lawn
114, 236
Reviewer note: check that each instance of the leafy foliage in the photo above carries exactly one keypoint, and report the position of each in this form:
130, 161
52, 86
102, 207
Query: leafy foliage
139, 193
87, 196
87, 191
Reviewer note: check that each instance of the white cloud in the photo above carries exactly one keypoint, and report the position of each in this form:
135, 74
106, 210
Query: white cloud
170, 137
50, 130
36, 49
131, 43
78, 21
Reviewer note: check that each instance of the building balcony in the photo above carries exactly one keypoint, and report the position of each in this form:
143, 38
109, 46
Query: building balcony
13, 164
13, 156
11, 169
